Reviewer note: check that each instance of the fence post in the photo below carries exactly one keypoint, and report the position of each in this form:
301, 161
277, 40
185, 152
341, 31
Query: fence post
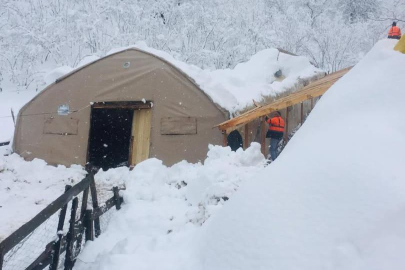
82, 215
117, 198
56, 247
95, 204
1, 259
70, 238
88, 225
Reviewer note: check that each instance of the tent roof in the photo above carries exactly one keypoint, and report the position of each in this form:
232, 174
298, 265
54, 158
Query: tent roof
314, 89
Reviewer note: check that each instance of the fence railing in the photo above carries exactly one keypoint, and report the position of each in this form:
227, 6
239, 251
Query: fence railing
15, 249
4, 143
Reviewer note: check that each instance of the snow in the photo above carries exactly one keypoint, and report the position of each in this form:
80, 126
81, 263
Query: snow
28, 187
235, 89
56, 73
165, 207
334, 199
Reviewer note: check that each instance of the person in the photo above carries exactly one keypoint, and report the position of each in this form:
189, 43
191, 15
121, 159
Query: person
395, 32
275, 133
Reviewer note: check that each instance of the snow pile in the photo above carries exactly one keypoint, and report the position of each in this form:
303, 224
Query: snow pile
164, 208
335, 198
235, 89
28, 187
56, 73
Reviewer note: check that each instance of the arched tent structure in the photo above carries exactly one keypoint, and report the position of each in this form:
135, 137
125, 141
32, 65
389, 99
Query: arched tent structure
119, 110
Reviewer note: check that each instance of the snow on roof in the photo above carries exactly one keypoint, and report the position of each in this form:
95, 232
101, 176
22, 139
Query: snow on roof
334, 199
235, 89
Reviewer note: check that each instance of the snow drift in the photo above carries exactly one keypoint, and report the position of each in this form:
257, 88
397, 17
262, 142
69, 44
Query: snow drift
334, 199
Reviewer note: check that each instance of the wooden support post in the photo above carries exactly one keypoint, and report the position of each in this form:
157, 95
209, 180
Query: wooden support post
225, 138
302, 113
286, 124
88, 225
263, 136
82, 213
56, 247
70, 238
93, 191
117, 198
246, 140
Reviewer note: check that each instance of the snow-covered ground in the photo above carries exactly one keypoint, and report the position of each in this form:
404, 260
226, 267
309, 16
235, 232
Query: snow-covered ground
28, 187
199, 190
334, 199
232, 89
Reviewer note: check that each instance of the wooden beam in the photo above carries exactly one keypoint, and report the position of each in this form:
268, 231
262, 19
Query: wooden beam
225, 138
131, 105
314, 89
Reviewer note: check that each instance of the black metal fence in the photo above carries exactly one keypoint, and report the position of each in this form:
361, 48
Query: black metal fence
53, 240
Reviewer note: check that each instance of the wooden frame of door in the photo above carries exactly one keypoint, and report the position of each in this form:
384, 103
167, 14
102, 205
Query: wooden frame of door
132, 105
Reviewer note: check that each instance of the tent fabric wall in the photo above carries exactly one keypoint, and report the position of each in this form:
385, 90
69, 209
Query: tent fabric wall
131, 75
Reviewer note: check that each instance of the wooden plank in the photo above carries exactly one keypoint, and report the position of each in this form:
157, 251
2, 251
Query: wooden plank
286, 125
225, 138
131, 105
302, 113
178, 126
56, 247
246, 139
104, 208
88, 225
117, 198
141, 127
82, 213
314, 89
3, 144
10, 242
44, 259
94, 199
70, 237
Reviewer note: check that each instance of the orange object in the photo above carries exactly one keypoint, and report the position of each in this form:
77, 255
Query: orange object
276, 124
395, 31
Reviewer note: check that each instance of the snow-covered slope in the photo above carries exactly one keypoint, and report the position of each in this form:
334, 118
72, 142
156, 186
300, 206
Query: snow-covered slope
335, 198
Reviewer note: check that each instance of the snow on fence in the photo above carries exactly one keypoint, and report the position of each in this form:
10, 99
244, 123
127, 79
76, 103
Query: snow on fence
52, 239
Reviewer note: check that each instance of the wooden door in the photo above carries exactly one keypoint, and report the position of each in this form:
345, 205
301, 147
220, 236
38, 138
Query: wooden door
140, 140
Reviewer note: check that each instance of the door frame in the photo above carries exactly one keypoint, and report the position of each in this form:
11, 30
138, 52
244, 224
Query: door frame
131, 105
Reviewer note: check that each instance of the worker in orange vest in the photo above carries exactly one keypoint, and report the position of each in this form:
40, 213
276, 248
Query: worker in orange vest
394, 32
275, 133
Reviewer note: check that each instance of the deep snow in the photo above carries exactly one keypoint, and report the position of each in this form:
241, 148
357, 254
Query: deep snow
334, 199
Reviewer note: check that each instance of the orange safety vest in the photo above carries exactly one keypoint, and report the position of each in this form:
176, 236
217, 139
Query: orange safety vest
276, 124
394, 32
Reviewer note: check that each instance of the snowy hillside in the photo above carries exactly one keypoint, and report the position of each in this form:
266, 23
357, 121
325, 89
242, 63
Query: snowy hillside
334, 199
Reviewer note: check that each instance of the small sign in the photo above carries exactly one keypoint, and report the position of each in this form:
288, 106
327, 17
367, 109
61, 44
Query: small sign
63, 109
